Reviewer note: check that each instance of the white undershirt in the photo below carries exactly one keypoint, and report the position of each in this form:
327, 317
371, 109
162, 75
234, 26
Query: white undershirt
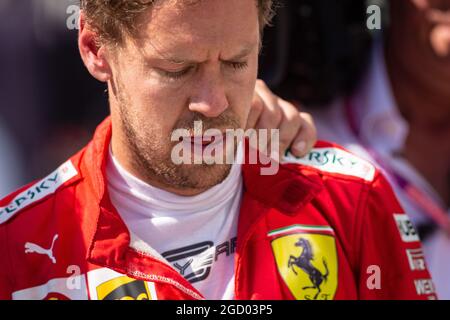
197, 235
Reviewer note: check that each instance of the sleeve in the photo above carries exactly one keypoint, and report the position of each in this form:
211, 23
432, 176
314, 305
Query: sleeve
392, 264
5, 275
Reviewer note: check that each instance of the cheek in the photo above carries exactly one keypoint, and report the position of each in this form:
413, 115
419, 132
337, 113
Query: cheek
157, 106
242, 95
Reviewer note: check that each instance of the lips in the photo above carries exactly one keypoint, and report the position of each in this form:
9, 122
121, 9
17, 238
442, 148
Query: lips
206, 140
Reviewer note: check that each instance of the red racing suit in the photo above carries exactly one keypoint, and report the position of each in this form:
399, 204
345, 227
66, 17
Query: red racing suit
326, 226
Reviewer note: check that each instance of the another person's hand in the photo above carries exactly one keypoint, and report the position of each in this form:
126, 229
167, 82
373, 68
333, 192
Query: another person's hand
297, 129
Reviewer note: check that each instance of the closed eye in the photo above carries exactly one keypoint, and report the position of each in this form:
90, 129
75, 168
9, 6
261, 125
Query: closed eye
237, 65
175, 75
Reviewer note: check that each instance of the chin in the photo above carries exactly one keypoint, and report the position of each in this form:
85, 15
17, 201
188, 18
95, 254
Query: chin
203, 177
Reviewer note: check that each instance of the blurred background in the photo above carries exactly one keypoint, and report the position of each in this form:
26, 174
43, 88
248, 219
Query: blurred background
49, 104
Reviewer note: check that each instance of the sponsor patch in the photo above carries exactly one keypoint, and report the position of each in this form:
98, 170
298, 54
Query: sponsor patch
306, 259
424, 287
55, 289
335, 160
416, 259
406, 228
38, 191
106, 284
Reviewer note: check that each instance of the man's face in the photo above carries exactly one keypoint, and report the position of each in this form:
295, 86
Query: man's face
192, 60
422, 27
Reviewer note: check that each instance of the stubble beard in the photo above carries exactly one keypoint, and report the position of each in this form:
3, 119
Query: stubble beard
153, 160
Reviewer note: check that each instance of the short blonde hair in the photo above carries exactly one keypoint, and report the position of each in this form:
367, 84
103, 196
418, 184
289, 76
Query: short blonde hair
112, 18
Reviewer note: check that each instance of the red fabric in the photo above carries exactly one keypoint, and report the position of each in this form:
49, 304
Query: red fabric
93, 236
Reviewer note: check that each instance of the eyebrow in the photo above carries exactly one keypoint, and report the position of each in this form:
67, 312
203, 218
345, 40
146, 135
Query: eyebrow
247, 49
243, 53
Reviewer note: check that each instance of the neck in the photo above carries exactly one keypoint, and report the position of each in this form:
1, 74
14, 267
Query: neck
423, 98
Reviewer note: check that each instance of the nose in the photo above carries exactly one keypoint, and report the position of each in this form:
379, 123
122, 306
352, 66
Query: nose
209, 98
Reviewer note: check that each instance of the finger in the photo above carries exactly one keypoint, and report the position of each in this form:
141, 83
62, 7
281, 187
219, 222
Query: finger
306, 138
270, 118
290, 125
271, 115
255, 111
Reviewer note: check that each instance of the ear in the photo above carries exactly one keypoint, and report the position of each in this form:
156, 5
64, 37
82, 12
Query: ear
93, 55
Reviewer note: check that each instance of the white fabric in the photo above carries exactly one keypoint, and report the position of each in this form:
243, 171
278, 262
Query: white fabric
168, 222
383, 129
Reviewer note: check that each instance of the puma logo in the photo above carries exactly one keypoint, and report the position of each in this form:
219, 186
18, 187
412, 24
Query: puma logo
34, 248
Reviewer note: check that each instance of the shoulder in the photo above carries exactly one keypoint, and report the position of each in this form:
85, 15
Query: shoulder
31, 196
332, 160
350, 182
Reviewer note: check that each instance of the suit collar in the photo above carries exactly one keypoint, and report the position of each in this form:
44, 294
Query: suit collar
287, 191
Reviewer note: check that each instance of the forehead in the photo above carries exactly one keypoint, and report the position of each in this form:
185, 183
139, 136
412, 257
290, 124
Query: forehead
198, 25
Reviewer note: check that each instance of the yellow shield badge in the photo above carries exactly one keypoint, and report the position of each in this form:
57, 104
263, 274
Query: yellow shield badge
124, 288
306, 258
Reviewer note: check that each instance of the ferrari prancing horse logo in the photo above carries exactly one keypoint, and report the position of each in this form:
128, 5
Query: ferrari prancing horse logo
307, 260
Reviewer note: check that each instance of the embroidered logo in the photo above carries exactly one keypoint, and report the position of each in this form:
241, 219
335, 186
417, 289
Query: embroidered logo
34, 248
306, 258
